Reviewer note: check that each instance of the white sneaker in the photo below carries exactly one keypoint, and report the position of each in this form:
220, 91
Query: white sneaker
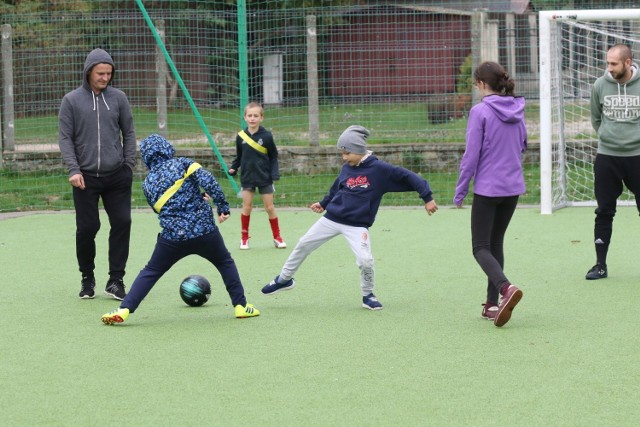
279, 243
244, 243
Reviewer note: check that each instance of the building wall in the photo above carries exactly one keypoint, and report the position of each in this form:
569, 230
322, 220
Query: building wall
397, 54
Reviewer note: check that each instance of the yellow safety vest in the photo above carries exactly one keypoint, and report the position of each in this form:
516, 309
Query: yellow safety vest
172, 190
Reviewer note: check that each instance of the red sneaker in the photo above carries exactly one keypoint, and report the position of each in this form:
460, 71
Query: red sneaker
510, 299
489, 311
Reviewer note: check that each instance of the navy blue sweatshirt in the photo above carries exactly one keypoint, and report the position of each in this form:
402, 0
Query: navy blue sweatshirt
355, 196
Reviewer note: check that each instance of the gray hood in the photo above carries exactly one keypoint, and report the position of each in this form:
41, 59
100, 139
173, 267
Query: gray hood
95, 57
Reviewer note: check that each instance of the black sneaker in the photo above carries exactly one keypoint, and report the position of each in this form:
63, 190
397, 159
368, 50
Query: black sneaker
598, 271
115, 289
87, 286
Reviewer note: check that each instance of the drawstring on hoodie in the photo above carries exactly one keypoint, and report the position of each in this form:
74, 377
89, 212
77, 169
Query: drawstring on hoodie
624, 85
626, 104
103, 100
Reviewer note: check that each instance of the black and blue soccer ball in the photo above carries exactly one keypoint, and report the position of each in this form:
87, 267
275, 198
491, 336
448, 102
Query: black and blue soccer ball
195, 290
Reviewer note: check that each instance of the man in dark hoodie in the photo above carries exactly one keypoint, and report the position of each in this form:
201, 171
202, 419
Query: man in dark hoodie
615, 116
351, 207
98, 144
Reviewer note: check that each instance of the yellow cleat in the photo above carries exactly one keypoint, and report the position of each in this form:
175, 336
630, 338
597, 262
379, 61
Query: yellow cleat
118, 315
244, 312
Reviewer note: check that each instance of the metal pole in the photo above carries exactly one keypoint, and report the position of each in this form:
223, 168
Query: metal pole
162, 74
243, 67
312, 81
546, 202
7, 76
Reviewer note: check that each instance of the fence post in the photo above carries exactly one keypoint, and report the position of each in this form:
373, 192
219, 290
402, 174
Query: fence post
484, 45
476, 47
1, 125
510, 29
312, 81
8, 130
162, 74
243, 61
533, 46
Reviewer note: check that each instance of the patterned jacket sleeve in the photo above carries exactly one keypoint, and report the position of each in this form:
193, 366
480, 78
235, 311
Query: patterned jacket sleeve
211, 186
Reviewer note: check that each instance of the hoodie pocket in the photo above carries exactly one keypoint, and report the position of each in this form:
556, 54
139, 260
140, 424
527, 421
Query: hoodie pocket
353, 208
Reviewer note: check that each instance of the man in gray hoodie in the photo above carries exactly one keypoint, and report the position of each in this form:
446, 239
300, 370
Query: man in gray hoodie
98, 144
615, 116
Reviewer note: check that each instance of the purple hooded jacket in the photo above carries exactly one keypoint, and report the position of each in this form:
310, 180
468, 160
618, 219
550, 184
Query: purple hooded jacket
496, 141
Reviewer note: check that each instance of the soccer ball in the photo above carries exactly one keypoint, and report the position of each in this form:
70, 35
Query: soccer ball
195, 290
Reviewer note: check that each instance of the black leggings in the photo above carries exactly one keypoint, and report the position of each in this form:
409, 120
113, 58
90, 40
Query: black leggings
490, 217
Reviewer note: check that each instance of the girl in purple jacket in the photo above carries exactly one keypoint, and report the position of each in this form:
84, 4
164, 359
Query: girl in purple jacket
496, 141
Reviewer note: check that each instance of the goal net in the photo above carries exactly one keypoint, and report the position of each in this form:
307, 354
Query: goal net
573, 47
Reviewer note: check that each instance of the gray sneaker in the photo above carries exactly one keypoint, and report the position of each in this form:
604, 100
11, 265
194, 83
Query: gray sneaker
115, 289
87, 286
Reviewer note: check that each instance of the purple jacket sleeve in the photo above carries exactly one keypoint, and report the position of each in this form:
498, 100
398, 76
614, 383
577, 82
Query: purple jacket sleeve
469, 163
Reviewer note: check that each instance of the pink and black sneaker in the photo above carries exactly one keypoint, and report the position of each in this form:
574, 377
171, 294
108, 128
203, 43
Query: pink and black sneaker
489, 311
510, 299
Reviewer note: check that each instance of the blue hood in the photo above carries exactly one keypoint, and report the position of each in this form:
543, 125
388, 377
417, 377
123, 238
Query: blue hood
155, 149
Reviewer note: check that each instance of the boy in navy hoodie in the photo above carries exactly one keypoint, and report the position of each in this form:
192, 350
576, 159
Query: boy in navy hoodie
350, 209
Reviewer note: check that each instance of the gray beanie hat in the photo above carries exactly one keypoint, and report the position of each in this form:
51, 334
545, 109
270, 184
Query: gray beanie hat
354, 140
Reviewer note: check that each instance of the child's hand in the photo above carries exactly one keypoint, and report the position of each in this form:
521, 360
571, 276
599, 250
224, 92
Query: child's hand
317, 207
222, 218
232, 172
206, 197
431, 207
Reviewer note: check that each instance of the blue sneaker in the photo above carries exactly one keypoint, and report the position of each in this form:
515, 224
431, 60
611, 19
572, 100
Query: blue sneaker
370, 302
274, 286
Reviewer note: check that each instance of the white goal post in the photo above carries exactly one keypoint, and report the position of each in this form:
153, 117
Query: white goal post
573, 45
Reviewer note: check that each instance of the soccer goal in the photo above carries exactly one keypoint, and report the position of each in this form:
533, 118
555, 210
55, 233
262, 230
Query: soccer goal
573, 45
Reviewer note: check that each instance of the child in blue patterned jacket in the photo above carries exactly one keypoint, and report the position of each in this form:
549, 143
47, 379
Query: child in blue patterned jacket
172, 188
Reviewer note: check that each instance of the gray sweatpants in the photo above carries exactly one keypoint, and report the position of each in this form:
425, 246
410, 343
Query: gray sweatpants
323, 231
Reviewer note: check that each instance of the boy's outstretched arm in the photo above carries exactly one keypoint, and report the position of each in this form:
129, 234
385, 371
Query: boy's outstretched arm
317, 207
431, 207
212, 190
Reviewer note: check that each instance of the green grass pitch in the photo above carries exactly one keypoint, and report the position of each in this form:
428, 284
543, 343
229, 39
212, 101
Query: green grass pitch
314, 357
